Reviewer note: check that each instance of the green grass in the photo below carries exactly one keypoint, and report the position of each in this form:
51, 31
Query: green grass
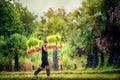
62, 75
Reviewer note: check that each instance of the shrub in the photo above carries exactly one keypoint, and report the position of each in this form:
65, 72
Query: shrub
25, 64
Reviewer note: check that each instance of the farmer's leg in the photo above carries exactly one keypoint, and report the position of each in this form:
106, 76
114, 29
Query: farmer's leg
48, 70
39, 69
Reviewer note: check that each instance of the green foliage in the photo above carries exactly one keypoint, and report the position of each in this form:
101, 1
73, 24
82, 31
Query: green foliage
54, 39
86, 40
14, 45
2, 42
27, 18
55, 23
3, 59
58, 37
35, 59
18, 41
32, 42
81, 62
87, 31
68, 63
9, 19
67, 50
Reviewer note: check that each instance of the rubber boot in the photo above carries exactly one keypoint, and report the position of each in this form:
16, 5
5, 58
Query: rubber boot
37, 71
48, 72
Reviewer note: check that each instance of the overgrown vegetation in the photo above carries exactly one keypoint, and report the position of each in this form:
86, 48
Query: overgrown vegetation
89, 37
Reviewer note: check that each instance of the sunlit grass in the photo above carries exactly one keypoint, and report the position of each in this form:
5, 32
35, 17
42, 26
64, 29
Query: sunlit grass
59, 75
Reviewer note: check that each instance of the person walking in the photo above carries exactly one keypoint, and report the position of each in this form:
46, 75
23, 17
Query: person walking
44, 59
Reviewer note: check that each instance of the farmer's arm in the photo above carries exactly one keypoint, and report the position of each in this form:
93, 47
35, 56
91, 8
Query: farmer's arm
45, 48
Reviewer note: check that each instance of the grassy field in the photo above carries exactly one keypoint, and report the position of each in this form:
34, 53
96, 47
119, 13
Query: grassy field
60, 75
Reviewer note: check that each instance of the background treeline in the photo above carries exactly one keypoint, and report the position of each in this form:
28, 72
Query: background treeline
90, 35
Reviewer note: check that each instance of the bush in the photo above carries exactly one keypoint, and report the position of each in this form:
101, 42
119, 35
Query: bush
25, 64
68, 63
4, 64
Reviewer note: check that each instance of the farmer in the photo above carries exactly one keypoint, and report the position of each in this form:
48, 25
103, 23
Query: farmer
44, 59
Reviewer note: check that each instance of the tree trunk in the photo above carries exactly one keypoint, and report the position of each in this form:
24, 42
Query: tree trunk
16, 67
95, 57
10, 64
101, 59
55, 60
89, 60
110, 59
87, 63
1, 67
116, 58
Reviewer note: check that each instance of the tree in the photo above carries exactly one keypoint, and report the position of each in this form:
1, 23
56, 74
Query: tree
17, 48
10, 22
109, 36
54, 40
15, 22
86, 41
102, 19
27, 18
53, 22
85, 18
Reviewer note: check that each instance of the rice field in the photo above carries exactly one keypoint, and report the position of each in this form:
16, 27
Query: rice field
59, 75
